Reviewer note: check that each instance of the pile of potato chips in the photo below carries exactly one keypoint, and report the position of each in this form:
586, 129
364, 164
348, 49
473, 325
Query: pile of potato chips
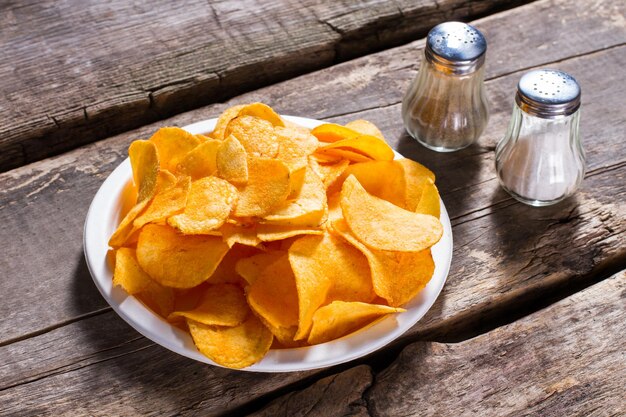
265, 234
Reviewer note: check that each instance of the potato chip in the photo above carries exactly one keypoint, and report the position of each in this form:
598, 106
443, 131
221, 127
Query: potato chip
308, 257
340, 318
325, 158
283, 336
223, 121
244, 235
429, 202
202, 138
225, 272
220, 305
262, 111
173, 144
201, 161
329, 173
251, 268
267, 187
126, 228
337, 154
144, 160
273, 295
128, 274
365, 128
295, 146
384, 226
396, 276
158, 298
308, 208
257, 136
331, 132
209, 203
415, 175
334, 208
369, 146
176, 260
231, 160
165, 203
234, 347
273, 232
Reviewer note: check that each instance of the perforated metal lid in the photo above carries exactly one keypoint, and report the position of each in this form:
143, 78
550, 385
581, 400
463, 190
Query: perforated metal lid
456, 47
548, 93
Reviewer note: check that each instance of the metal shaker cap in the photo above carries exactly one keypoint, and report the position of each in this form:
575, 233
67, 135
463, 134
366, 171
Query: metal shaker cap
548, 93
456, 48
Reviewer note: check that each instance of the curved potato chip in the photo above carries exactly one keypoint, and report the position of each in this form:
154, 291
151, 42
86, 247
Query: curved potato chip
340, 318
366, 145
415, 175
234, 347
283, 336
307, 209
251, 268
267, 187
126, 228
158, 298
220, 305
257, 136
128, 274
209, 203
231, 160
334, 208
165, 203
176, 260
244, 235
294, 147
273, 232
273, 295
382, 225
262, 111
144, 161
396, 276
223, 121
173, 143
331, 132
331, 173
391, 186
225, 272
365, 128
200, 161
341, 153
429, 203
308, 257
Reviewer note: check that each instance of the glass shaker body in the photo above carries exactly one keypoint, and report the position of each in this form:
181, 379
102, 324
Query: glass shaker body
540, 161
445, 108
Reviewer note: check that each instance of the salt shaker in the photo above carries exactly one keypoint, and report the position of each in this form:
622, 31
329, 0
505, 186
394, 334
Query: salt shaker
540, 161
445, 107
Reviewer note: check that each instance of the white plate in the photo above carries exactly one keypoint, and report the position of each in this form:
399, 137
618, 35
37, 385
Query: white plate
104, 215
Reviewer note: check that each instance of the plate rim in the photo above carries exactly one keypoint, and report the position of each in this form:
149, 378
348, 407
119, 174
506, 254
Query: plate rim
352, 346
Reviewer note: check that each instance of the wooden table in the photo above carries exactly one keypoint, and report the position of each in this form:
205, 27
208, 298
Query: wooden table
532, 318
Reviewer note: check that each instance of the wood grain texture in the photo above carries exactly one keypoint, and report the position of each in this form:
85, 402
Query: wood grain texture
566, 360
74, 72
43, 206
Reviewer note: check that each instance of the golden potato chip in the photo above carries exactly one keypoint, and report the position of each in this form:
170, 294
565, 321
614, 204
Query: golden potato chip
391, 186
220, 305
176, 260
273, 232
396, 276
201, 137
273, 295
325, 158
331, 132
429, 203
257, 136
294, 147
267, 187
365, 128
415, 175
262, 111
165, 203
369, 146
225, 272
341, 153
158, 298
231, 160
251, 268
283, 336
244, 235
173, 144
329, 173
306, 256
234, 347
308, 208
201, 161
126, 228
128, 274
334, 208
340, 318
144, 160
209, 203
165, 180
382, 225
223, 121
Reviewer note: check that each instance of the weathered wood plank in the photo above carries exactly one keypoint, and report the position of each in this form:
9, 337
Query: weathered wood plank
42, 206
565, 360
74, 72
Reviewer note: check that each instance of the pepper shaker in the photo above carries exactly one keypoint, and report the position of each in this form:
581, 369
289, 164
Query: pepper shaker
445, 108
540, 161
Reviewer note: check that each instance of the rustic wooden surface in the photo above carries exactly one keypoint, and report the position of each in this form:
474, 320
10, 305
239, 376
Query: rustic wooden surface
61, 341
566, 360
73, 72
